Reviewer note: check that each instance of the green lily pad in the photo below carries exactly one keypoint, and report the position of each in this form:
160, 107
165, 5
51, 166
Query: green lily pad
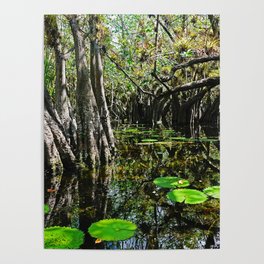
213, 191
148, 140
46, 209
168, 131
189, 196
207, 139
163, 143
148, 131
63, 237
145, 143
131, 130
171, 182
112, 229
179, 138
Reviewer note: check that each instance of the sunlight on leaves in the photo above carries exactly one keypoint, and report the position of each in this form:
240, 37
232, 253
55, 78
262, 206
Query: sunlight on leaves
188, 196
112, 229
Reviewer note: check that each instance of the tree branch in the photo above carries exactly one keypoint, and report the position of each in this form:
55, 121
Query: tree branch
212, 81
156, 42
122, 70
197, 97
188, 64
167, 31
159, 80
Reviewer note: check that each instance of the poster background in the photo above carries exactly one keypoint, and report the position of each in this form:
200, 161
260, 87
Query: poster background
21, 141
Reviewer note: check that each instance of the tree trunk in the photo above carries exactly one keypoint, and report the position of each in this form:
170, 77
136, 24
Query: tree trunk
58, 152
62, 102
214, 20
98, 82
92, 142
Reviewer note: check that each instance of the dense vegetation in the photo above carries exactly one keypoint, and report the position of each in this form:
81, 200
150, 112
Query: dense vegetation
105, 70
131, 131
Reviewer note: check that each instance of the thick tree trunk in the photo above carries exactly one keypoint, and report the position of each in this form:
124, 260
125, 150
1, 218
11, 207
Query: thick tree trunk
62, 102
98, 82
58, 153
92, 142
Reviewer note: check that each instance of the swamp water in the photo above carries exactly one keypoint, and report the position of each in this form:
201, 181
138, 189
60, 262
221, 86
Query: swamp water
125, 190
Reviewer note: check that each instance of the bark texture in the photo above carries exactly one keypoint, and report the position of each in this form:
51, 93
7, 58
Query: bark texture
93, 147
62, 101
58, 152
98, 82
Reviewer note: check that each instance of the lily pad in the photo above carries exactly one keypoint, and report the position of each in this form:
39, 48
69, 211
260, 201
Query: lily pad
63, 237
189, 196
112, 229
179, 138
163, 143
46, 208
171, 182
131, 130
207, 139
148, 140
213, 191
168, 131
145, 144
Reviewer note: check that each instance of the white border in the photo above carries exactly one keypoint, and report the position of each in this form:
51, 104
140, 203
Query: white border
242, 128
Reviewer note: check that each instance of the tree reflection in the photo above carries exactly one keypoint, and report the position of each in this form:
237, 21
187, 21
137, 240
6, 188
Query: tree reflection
125, 190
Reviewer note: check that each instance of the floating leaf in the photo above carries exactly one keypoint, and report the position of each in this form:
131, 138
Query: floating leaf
207, 139
213, 191
168, 131
171, 182
97, 241
189, 196
179, 138
131, 130
112, 229
163, 143
63, 237
46, 208
146, 140
145, 143
194, 139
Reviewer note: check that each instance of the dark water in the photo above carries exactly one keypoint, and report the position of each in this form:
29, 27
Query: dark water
125, 190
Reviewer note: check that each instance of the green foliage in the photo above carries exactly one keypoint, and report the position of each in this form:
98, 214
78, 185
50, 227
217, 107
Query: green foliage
188, 196
112, 229
213, 191
146, 140
171, 182
46, 208
58, 237
187, 54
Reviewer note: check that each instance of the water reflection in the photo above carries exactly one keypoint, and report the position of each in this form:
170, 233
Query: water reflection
125, 190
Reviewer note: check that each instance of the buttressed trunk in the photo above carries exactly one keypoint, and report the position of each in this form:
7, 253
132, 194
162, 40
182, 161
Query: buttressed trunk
98, 82
62, 102
58, 152
92, 142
